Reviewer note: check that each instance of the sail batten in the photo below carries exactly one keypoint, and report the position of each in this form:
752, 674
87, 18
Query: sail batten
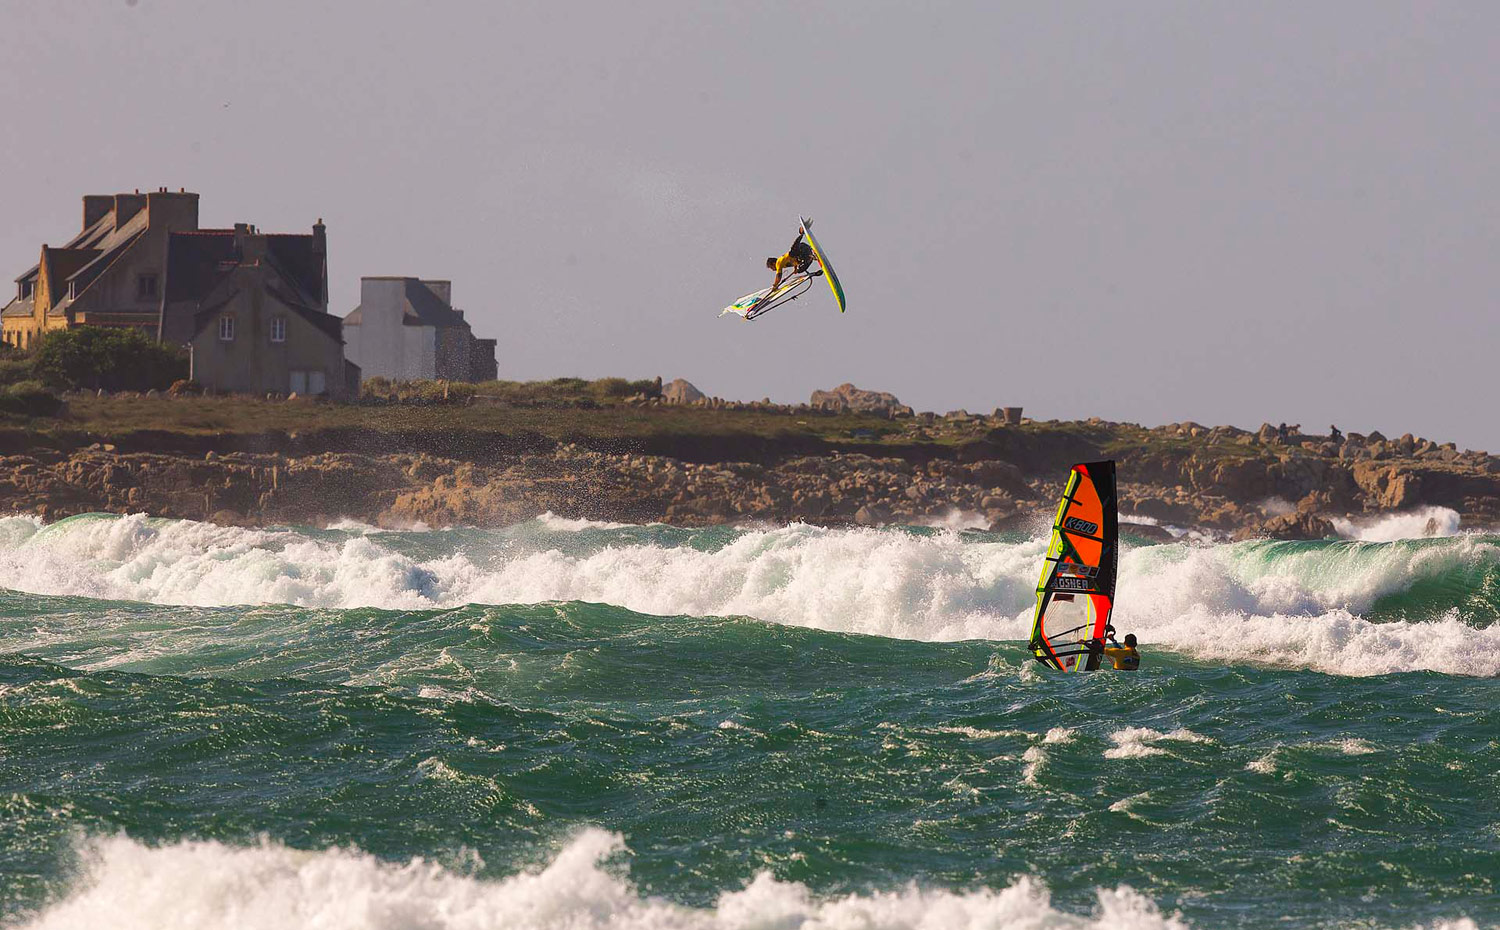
1075, 594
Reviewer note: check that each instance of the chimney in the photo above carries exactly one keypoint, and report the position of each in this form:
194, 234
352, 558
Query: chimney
249, 245
320, 249
174, 212
96, 207
127, 206
443, 290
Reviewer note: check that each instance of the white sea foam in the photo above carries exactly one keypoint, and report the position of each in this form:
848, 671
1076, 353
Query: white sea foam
1136, 742
197, 885
1259, 602
956, 519
1417, 524
552, 521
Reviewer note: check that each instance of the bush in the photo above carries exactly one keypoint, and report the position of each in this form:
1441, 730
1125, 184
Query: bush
29, 399
14, 367
112, 359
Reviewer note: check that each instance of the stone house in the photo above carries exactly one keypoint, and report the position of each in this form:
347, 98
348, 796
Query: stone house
110, 274
253, 309
407, 329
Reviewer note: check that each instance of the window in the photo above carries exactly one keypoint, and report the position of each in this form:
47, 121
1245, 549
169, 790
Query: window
308, 383
26, 287
278, 329
226, 328
145, 287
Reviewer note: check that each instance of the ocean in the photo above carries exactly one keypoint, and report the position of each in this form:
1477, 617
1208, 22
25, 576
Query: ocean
567, 724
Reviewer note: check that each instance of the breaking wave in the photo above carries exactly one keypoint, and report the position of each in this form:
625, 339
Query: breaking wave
1343, 607
205, 885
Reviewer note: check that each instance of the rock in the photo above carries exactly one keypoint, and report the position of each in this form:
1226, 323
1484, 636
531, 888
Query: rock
848, 397
1301, 525
1148, 532
872, 515
681, 391
1390, 487
1160, 509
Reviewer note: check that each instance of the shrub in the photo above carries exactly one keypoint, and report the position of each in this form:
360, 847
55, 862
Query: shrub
29, 399
613, 387
112, 359
14, 367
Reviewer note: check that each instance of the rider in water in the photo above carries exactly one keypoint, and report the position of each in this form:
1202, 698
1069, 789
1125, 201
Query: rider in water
1125, 657
798, 258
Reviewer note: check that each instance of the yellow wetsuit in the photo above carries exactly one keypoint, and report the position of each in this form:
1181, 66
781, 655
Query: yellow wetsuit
798, 257
1125, 658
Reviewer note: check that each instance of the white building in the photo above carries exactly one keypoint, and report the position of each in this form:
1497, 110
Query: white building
406, 329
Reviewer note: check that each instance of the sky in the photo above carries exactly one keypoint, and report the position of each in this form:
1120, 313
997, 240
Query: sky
1149, 212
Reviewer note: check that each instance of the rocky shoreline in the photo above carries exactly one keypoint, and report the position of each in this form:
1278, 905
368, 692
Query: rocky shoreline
1230, 482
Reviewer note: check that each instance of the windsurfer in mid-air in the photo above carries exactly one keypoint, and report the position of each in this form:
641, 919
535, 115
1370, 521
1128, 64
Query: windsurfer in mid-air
798, 258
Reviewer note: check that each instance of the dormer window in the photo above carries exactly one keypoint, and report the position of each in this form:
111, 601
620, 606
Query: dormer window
25, 288
145, 287
226, 328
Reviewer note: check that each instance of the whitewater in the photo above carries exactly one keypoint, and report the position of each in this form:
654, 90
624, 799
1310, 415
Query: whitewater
1348, 607
575, 724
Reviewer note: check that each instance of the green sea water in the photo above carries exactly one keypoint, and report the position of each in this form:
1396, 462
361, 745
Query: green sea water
584, 725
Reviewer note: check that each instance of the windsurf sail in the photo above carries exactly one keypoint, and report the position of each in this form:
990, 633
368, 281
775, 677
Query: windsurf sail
753, 305
1076, 592
822, 257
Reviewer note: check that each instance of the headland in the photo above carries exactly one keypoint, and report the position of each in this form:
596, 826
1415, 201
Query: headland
441, 455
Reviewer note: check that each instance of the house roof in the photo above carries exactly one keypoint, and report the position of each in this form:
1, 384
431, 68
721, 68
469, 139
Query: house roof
419, 307
216, 298
63, 264
19, 307
197, 261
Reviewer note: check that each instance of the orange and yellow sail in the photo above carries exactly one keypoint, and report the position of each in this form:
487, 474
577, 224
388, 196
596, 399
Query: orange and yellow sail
1076, 591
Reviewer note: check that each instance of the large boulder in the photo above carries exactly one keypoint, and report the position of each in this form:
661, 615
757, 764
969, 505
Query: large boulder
1391, 487
681, 391
1300, 525
848, 397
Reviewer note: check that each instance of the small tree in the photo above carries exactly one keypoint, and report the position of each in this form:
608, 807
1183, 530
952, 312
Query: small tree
112, 359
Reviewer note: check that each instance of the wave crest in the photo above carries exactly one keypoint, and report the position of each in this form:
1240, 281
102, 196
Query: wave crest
205, 885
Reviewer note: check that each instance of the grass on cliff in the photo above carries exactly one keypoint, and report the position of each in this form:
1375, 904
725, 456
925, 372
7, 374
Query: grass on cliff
562, 409
117, 416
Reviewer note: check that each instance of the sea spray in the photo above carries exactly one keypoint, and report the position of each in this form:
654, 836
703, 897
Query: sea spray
212, 886
1345, 607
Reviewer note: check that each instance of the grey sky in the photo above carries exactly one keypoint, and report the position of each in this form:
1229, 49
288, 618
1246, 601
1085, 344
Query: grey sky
1146, 211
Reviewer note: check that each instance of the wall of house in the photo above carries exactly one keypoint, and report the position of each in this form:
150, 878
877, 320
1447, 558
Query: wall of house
381, 344
251, 362
453, 352
482, 364
114, 298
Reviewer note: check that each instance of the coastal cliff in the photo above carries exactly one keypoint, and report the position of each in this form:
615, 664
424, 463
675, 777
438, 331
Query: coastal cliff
695, 466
